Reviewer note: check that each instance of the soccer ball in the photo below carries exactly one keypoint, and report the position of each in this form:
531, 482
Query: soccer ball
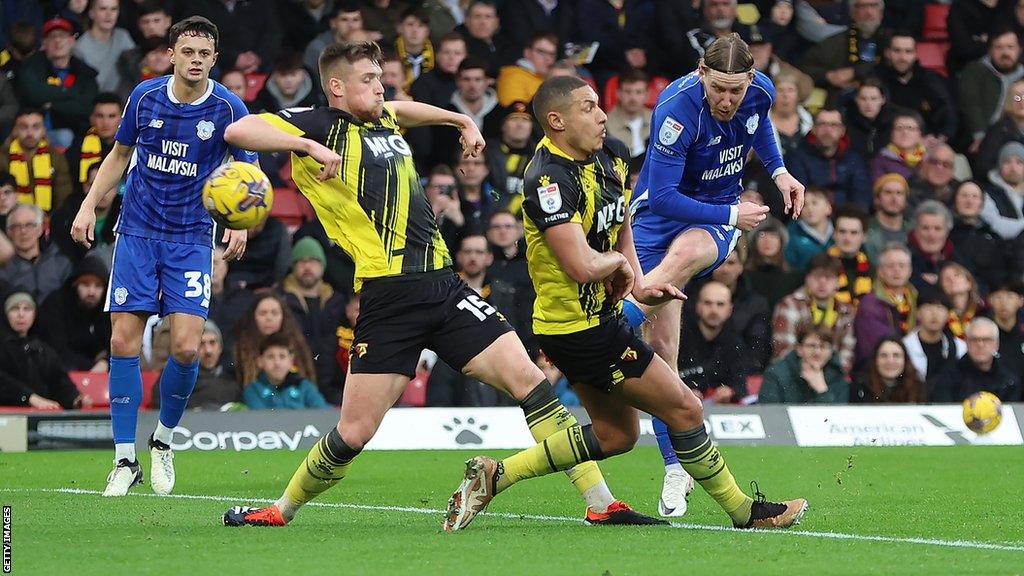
238, 195
983, 412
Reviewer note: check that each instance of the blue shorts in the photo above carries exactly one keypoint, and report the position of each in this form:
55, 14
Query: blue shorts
653, 235
160, 277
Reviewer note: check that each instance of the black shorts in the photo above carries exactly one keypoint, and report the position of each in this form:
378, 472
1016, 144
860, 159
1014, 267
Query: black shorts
400, 316
602, 356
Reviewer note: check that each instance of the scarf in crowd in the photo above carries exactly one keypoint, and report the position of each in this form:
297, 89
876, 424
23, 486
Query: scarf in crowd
958, 323
90, 153
904, 307
414, 64
861, 285
826, 316
911, 158
37, 189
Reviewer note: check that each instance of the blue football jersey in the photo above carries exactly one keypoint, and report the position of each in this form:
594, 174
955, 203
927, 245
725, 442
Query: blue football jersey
177, 146
693, 154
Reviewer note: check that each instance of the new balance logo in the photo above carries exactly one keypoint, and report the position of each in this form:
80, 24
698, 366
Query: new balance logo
156, 123
714, 141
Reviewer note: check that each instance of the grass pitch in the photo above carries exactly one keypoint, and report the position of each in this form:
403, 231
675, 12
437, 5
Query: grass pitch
914, 510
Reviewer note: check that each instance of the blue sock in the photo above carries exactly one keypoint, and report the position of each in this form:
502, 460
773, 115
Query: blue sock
176, 384
668, 454
125, 397
634, 315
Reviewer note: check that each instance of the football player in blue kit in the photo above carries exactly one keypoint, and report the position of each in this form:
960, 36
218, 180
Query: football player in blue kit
686, 211
170, 139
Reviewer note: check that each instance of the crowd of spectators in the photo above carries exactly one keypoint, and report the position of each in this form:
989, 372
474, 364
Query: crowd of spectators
901, 281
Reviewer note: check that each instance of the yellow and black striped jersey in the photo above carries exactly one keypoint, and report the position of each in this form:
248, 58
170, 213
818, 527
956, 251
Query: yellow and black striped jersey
560, 190
375, 208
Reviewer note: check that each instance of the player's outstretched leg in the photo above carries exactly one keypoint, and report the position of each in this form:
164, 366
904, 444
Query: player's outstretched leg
677, 486
125, 397
660, 392
176, 384
367, 398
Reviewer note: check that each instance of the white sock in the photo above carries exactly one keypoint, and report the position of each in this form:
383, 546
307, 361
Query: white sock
163, 433
288, 508
599, 497
677, 467
126, 451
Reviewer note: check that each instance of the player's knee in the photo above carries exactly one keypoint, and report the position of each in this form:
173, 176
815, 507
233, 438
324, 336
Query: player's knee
120, 345
685, 412
355, 434
185, 350
522, 380
618, 441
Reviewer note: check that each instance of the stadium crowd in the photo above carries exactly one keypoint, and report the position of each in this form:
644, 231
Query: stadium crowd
900, 282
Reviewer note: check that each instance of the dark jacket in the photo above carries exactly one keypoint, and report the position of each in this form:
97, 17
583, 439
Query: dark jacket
924, 264
867, 137
79, 335
997, 135
835, 52
783, 384
70, 102
253, 25
707, 365
968, 22
213, 390
751, 318
294, 393
62, 219
983, 252
877, 318
773, 282
340, 270
845, 174
598, 21
959, 381
30, 366
672, 17
926, 93
38, 277
496, 53
435, 88
522, 18
267, 258
511, 291
319, 318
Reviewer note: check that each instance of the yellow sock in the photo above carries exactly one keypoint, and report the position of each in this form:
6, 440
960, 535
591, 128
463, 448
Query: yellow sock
546, 415
701, 459
324, 466
560, 451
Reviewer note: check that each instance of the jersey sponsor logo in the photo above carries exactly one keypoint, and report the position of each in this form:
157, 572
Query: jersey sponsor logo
550, 196
730, 161
164, 163
156, 123
611, 214
387, 146
670, 131
752, 123
204, 129
120, 295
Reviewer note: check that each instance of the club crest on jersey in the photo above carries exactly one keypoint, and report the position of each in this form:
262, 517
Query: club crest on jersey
670, 131
752, 123
549, 195
120, 295
204, 129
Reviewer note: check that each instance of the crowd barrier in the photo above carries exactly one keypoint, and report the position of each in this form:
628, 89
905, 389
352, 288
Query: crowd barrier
500, 428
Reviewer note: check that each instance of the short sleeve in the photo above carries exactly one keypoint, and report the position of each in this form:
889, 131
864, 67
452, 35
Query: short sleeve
128, 131
551, 197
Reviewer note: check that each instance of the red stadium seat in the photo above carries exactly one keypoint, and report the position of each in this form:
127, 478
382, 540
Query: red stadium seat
932, 55
95, 385
935, 16
254, 82
415, 394
291, 208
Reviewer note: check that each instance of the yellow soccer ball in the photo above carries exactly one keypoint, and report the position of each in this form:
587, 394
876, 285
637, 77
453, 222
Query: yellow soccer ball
983, 412
238, 195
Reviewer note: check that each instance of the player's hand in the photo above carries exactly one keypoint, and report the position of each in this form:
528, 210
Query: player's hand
37, 401
792, 194
84, 227
655, 294
471, 140
749, 215
324, 155
619, 283
235, 240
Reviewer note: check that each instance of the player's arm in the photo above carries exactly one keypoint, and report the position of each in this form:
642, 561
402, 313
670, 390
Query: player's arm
108, 176
412, 114
767, 147
256, 133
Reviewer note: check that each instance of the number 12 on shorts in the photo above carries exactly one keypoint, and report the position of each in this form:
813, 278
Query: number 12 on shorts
197, 288
476, 306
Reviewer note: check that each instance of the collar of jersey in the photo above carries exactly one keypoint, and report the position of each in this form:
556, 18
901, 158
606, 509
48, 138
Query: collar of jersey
200, 100
547, 143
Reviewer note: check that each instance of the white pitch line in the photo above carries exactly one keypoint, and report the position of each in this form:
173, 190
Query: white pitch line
567, 519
